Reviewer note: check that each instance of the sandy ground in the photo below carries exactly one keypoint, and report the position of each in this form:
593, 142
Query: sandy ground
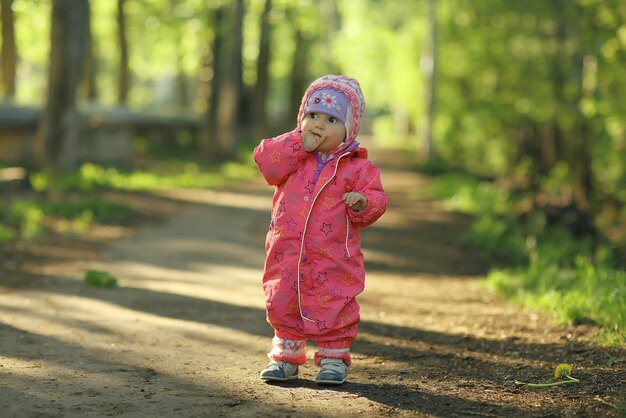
185, 334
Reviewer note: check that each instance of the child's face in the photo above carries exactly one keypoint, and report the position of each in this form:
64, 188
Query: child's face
325, 126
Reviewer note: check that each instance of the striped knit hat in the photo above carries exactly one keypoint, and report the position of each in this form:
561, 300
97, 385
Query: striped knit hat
328, 94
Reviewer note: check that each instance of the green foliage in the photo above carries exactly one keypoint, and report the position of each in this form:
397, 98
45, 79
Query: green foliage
66, 204
98, 278
30, 218
584, 292
621, 407
467, 194
90, 209
32, 33
174, 174
501, 237
7, 234
543, 267
27, 216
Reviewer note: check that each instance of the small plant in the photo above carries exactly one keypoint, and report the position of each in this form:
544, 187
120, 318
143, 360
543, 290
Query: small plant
562, 371
100, 279
621, 408
6, 234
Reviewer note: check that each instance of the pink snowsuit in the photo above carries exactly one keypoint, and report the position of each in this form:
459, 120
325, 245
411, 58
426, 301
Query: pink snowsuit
315, 237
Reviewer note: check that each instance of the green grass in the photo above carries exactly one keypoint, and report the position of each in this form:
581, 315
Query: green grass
32, 217
171, 175
536, 265
585, 292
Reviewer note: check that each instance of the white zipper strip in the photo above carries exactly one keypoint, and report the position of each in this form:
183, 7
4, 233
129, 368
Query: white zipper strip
306, 223
347, 234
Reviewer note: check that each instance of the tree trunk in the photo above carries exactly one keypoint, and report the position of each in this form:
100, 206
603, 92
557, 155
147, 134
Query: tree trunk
552, 144
583, 158
298, 76
210, 80
58, 133
9, 49
230, 91
262, 80
331, 28
123, 82
90, 85
429, 66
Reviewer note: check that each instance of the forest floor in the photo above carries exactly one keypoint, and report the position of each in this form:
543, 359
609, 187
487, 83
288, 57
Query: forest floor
184, 333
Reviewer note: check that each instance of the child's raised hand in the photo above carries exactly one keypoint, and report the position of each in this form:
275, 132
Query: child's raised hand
311, 141
356, 201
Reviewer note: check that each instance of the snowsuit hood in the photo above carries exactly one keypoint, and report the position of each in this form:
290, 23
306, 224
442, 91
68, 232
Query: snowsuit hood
356, 102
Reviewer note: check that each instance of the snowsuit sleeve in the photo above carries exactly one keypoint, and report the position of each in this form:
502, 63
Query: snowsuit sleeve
278, 157
369, 185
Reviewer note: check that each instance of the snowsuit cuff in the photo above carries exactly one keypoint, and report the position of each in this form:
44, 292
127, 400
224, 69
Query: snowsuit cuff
291, 351
337, 353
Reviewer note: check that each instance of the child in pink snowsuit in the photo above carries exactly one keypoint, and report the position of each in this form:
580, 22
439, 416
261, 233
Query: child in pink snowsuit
325, 191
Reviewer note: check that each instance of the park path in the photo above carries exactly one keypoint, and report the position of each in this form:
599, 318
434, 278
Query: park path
185, 335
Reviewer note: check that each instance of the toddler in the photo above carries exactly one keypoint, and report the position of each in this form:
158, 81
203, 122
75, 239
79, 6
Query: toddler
325, 191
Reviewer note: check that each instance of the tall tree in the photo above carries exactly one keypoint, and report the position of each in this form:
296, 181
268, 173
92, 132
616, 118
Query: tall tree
231, 87
123, 81
332, 20
209, 84
429, 66
90, 85
56, 142
9, 48
262, 80
299, 68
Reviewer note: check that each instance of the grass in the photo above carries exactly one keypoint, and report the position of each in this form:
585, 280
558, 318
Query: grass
33, 217
536, 265
70, 202
172, 175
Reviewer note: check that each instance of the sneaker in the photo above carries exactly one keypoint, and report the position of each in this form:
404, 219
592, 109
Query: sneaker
332, 372
279, 371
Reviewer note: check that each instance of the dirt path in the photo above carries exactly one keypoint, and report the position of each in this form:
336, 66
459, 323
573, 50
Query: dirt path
185, 333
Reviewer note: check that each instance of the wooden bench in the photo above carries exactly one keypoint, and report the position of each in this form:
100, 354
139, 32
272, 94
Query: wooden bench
106, 135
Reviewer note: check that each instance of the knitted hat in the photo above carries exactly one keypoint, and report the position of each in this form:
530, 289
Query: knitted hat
332, 91
329, 101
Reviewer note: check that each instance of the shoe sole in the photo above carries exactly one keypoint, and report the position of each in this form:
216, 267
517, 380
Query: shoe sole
331, 382
278, 379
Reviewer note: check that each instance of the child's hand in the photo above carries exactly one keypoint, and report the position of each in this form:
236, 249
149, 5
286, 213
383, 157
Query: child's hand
356, 201
311, 141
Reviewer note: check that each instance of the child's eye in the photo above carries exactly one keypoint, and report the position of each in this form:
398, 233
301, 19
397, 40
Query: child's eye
313, 115
332, 120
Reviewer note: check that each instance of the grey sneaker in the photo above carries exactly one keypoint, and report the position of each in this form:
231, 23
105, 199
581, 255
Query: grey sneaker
332, 372
279, 371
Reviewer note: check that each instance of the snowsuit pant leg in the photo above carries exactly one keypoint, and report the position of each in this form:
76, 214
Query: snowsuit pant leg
290, 351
